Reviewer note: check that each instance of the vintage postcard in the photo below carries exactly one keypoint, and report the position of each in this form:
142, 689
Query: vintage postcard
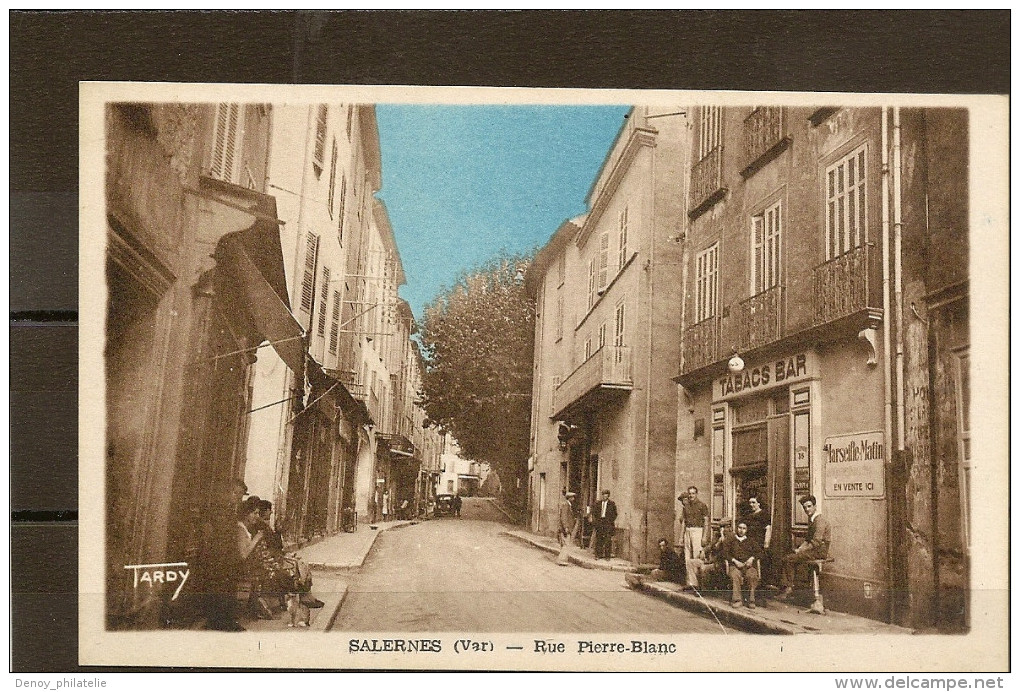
522, 379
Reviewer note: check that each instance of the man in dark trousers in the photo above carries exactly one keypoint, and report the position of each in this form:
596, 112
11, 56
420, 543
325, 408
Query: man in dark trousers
671, 566
743, 560
814, 547
604, 520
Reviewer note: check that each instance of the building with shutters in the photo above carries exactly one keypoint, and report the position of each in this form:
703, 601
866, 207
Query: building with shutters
196, 282
824, 342
608, 299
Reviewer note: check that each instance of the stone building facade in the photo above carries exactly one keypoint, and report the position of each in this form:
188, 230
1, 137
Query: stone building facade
608, 305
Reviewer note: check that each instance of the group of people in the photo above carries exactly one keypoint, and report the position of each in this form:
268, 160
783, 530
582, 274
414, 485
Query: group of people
243, 548
741, 555
601, 516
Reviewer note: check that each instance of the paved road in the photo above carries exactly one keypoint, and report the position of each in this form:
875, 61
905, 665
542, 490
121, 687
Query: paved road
460, 575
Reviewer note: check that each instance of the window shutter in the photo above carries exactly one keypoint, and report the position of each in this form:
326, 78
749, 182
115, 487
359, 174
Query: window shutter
603, 261
619, 326
591, 282
320, 328
340, 212
623, 238
320, 138
334, 328
226, 131
332, 179
308, 278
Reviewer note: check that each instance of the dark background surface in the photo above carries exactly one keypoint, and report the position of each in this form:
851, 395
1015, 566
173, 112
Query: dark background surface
924, 52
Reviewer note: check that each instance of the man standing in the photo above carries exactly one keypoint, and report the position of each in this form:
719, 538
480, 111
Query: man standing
814, 547
743, 556
696, 528
568, 520
605, 526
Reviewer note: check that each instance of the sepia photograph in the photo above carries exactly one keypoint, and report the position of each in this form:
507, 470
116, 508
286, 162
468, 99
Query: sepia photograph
541, 379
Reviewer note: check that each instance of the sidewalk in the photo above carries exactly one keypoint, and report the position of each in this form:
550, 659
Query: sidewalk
775, 617
329, 558
582, 557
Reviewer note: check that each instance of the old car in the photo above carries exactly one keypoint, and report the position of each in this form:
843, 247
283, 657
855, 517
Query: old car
444, 505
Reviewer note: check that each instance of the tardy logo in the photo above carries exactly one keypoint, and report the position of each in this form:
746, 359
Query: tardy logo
158, 573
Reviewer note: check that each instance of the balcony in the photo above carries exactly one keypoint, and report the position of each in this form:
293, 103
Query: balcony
606, 372
759, 319
843, 288
701, 344
706, 182
765, 137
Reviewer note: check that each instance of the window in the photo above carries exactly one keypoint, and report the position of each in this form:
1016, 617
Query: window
846, 218
320, 138
334, 326
766, 249
706, 288
350, 118
227, 128
541, 492
332, 179
718, 501
587, 349
561, 270
618, 326
602, 335
592, 282
559, 315
308, 278
801, 453
622, 258
603, 261
320, 327
963, 430
711, 130
340, 212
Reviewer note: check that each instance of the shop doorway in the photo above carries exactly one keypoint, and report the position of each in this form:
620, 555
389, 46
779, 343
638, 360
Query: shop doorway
761, 463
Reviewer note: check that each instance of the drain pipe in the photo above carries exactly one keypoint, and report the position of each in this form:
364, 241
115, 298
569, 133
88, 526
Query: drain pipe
886, 362
897, 171
650, 309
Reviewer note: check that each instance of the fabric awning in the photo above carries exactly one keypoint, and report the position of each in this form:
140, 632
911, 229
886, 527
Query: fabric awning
254, 257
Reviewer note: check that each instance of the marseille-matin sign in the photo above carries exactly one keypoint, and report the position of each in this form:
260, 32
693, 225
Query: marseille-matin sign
854, 465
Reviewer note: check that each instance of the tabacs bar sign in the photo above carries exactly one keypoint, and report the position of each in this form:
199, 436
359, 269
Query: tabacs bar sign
854, 465
757, 378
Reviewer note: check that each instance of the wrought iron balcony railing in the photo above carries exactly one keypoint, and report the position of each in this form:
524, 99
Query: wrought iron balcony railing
759, 319
706, 180
842, 285
764, 135
701, 344
608, 368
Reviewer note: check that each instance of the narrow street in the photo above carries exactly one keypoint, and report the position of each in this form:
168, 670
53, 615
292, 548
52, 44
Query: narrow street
452, 574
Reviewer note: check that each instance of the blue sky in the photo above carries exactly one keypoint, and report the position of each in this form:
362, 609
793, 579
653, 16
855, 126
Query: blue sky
463, 182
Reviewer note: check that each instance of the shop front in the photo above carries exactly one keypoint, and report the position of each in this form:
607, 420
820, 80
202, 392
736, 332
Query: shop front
802, 423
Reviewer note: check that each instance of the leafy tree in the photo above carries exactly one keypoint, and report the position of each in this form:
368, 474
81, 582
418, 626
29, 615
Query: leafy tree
478, 342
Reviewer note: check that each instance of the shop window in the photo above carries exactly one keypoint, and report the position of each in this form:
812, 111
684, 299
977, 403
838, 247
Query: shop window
718, 499
801, 463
